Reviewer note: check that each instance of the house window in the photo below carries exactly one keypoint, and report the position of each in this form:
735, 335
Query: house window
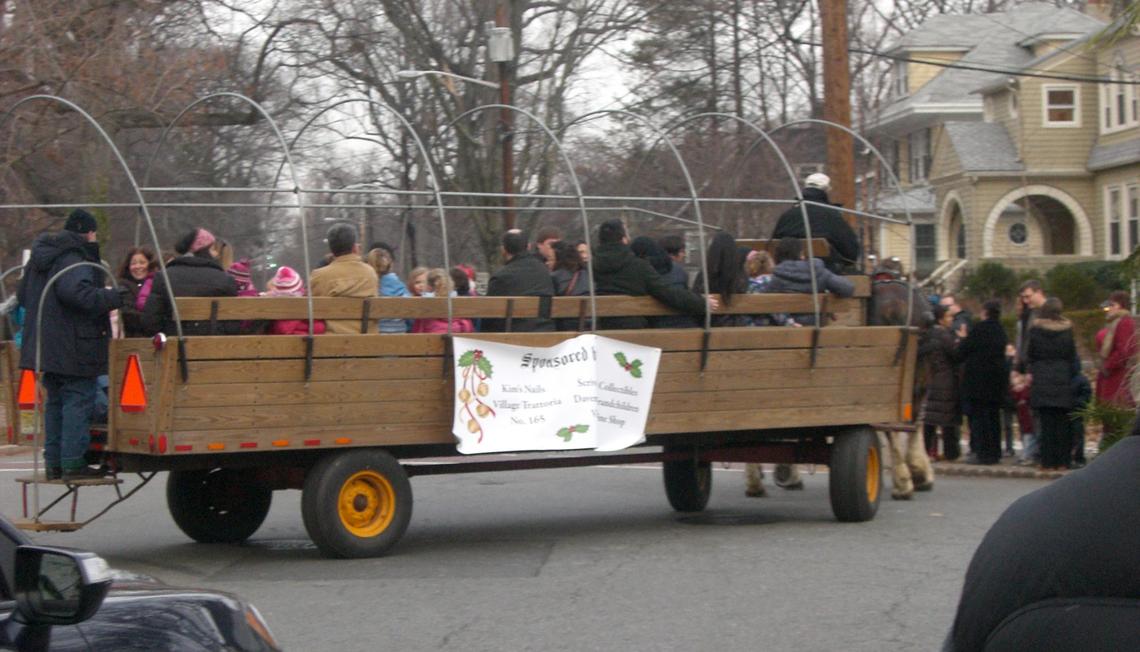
1018, 233
1133, 217
1062, 106
901, 84
925, 251
960, 241
1113, 211
920, 157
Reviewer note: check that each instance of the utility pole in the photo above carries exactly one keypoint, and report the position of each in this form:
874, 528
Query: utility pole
837, 103
501, 50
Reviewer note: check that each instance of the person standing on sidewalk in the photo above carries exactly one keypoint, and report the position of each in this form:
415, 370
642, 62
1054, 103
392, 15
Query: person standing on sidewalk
75, 335
1052, 356
941, 405
985, 383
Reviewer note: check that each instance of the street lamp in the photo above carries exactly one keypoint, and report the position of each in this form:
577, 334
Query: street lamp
413, 74
506, 117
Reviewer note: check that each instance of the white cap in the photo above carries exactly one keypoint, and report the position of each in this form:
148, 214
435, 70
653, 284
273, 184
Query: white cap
818, 180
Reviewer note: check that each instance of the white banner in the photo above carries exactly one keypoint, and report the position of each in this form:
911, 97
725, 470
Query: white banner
587, 392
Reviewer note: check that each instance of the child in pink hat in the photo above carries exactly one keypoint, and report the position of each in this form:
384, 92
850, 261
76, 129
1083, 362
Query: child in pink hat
241, 274
288, 283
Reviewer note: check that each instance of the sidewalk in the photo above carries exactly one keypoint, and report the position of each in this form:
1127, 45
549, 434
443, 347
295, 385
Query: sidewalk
1007, 468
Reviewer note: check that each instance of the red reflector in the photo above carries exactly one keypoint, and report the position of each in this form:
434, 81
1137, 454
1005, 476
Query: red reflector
96, 447
30, 437
162, 443
132, 396
248, 444
133, 441
312, 442
182, 448
27, 393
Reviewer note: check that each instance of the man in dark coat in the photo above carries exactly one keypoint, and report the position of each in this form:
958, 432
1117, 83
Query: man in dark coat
195, 274
618, 271
1060, 570
985, 383
825, 223
523, 275
75, 334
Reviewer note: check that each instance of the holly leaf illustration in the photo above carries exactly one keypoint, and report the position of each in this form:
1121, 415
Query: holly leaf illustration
466, 359
635, 369
568, 433
620, 357
484, 366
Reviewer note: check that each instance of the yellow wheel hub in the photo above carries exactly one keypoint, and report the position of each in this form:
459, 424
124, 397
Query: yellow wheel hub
872, 474
367, 504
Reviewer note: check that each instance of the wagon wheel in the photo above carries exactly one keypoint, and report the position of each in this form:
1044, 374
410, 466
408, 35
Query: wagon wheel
217, 506
356, 503
688, 483
856, 475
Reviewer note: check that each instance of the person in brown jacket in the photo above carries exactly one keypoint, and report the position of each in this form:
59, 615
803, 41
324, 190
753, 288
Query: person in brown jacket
347, 275
941, 405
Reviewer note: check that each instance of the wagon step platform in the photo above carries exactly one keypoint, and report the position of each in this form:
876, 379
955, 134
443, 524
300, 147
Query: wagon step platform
47, 526
81, 482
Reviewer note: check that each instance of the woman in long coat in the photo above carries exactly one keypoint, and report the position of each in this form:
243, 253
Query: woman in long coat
941, 404
1052, 357
985, 383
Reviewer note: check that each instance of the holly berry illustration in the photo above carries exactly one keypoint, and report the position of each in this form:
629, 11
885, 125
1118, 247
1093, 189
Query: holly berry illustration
476, 370
634, 367
567, 433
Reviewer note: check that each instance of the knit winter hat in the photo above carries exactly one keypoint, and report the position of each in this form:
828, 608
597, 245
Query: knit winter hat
240, 271
818, 180
201, 241
286, 283
80, 221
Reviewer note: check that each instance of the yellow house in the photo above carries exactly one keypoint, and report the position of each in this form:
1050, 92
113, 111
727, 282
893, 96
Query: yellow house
1031, 166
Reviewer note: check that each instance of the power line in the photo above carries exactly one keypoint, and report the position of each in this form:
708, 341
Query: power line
982, 68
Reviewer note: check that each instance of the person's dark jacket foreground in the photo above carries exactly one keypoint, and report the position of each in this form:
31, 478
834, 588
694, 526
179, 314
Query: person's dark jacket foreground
1060, 570
618, 271
524, 275
190, 276
825, 223
76, 327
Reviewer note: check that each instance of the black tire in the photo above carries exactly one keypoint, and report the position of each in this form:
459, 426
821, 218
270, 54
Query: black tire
217, 506
856, 477
356, 503
688, 484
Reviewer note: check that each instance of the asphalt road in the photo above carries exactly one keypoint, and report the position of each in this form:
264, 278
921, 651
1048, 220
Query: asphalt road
586, 559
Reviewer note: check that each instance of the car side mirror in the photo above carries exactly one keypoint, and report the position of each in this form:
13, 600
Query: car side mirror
57, 586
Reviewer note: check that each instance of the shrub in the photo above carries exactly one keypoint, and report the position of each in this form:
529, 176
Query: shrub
1074, 286
988, 280
1115, 421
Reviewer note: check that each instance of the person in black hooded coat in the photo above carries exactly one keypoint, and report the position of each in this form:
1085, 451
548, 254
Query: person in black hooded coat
197, 273
73, 341
1052, 357
985, 382
618, 271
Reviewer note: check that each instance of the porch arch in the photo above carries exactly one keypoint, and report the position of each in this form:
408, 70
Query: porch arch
1084, 246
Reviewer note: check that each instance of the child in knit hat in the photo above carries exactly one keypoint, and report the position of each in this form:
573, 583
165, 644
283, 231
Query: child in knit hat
240, 272
288, 283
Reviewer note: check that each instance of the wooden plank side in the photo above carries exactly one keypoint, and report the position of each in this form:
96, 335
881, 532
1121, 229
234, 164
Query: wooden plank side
770, 418
787, 397
437, 391
242, 417
268, 308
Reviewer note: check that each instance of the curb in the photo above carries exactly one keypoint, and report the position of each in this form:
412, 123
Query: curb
994, 471
7, 450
